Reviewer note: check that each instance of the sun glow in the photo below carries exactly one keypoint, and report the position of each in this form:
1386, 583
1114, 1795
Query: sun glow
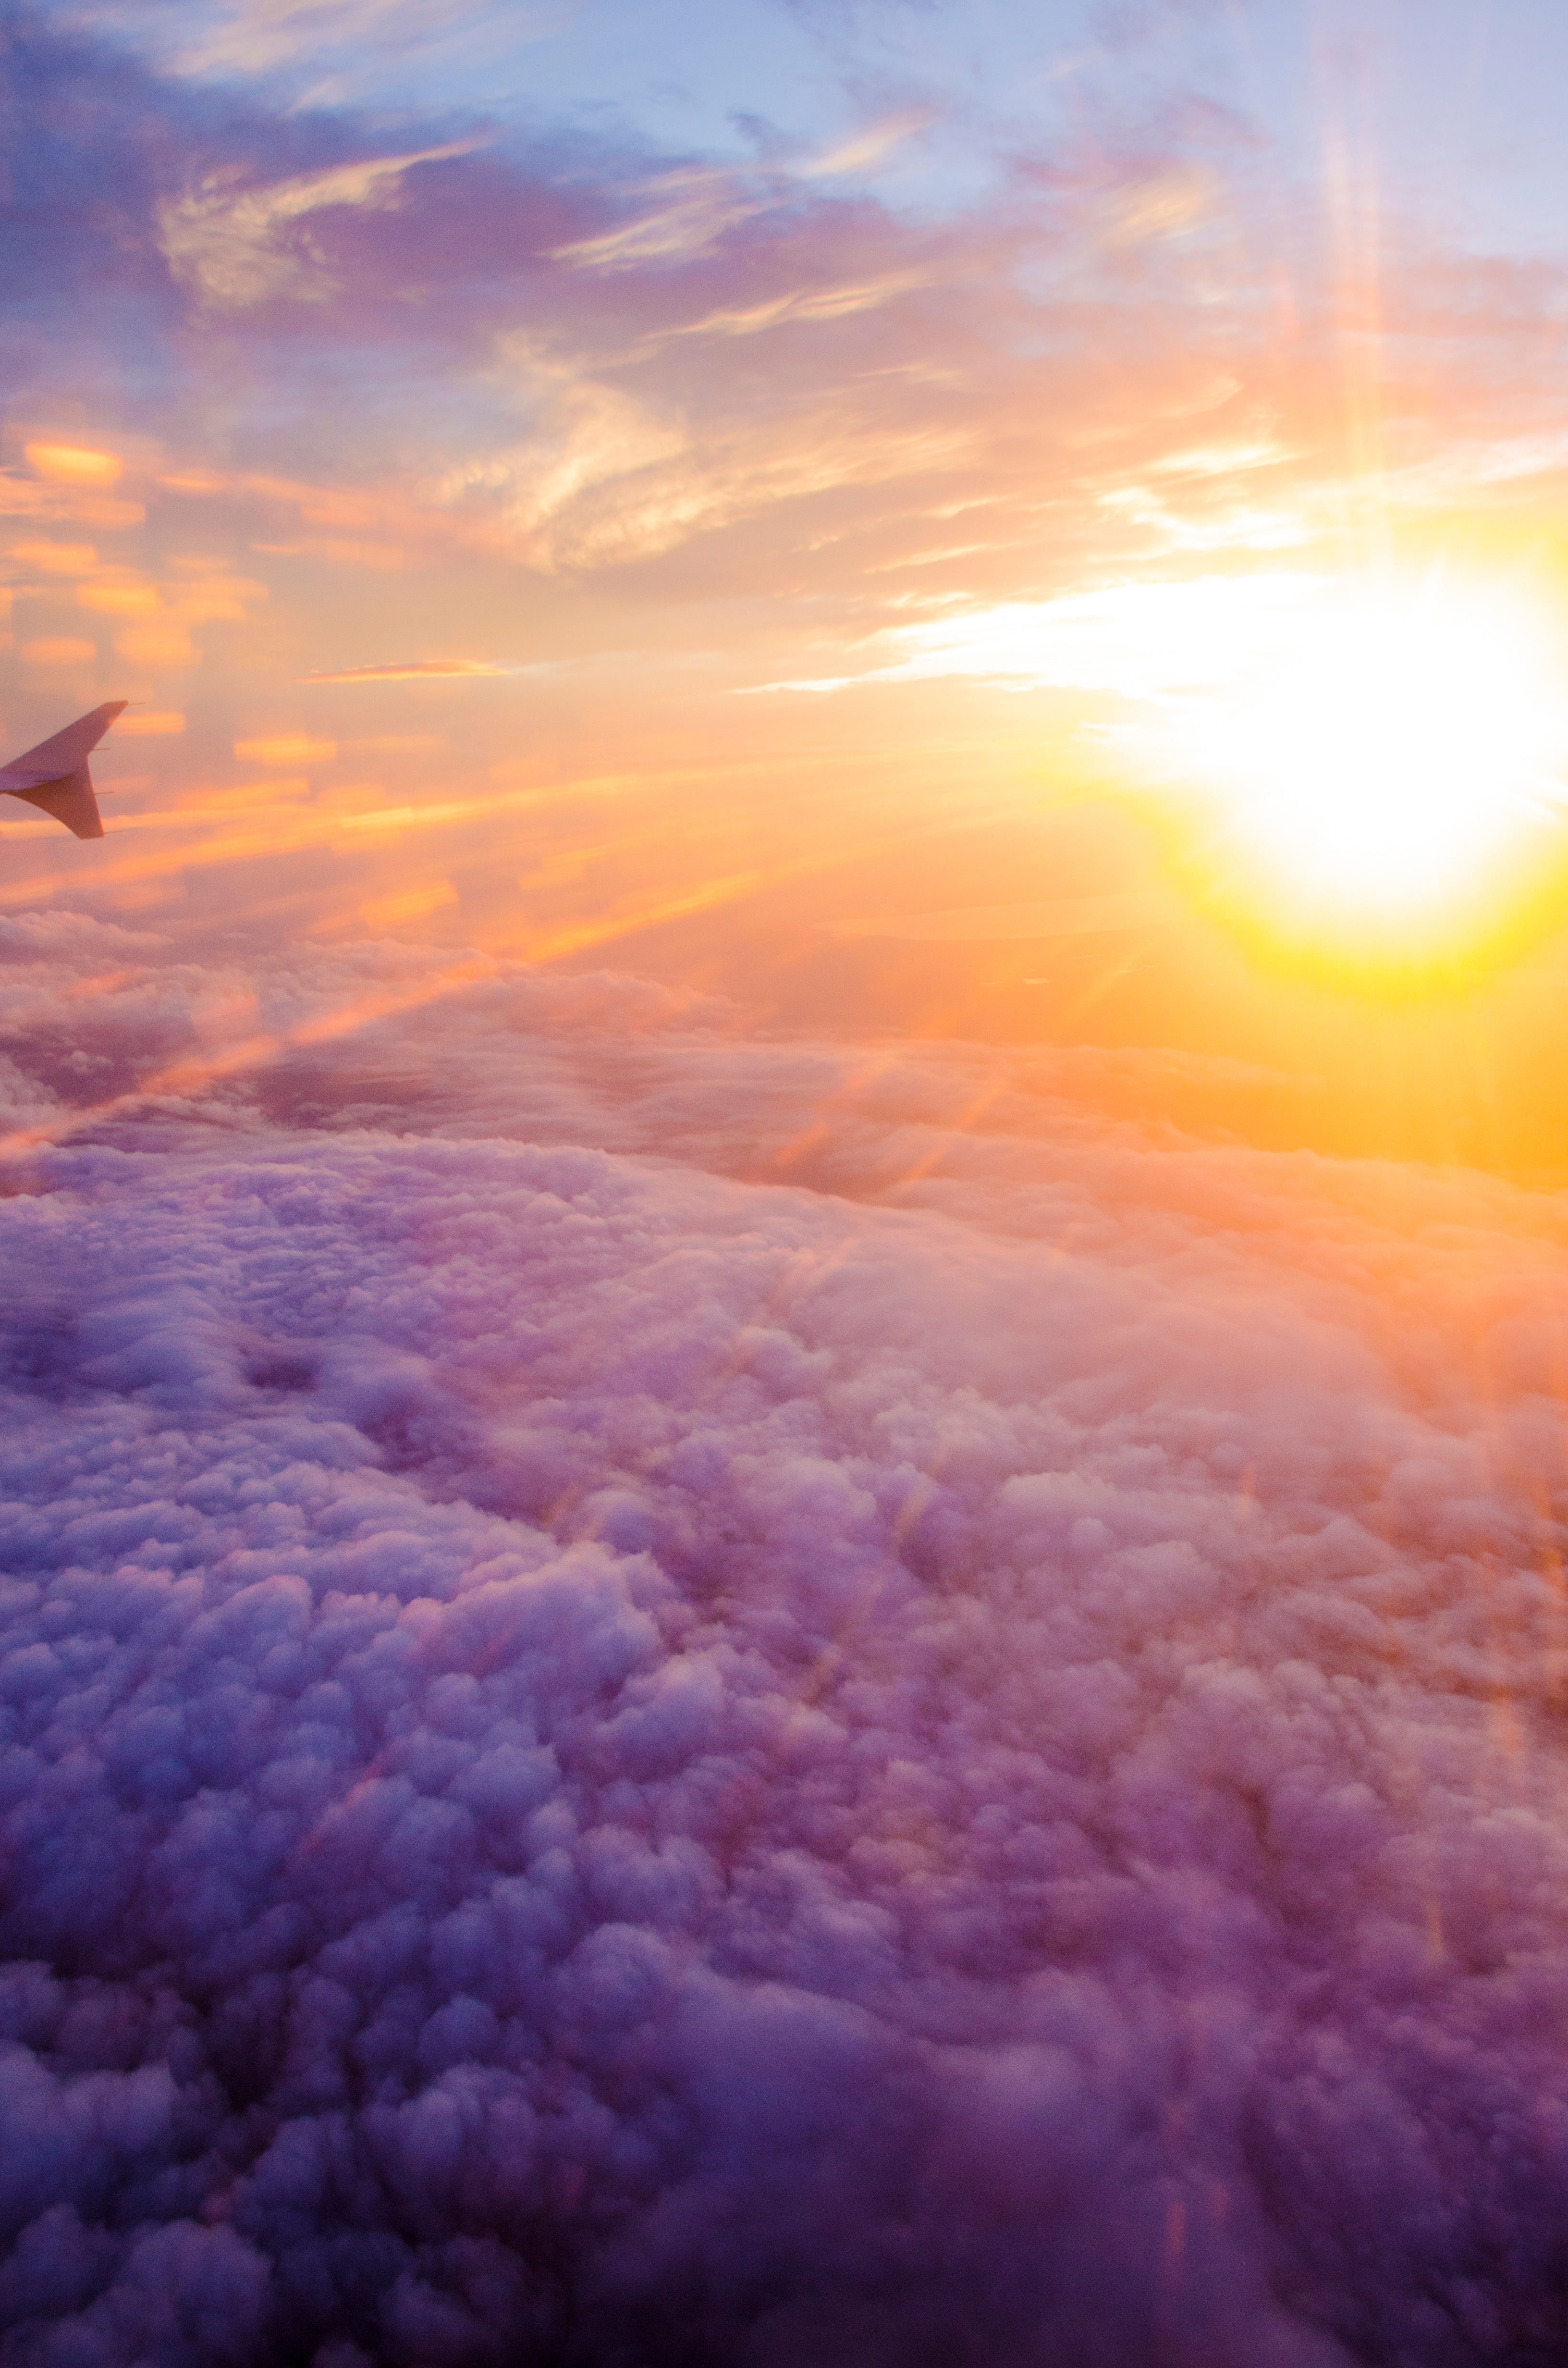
1387, 747
1373, 762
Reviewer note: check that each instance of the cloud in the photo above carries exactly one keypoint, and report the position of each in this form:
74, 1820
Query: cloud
1053, 916
1139, 640
75, 464
692, 209
1162, 207
235, 245
605, 478
287, 748
546, 350
868, 147
55, 650
412, 670
156, 724
612, 515
796, 304
608, 1759
323, 41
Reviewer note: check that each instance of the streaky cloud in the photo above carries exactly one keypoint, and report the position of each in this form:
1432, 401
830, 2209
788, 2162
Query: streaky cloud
413, 670
227, 240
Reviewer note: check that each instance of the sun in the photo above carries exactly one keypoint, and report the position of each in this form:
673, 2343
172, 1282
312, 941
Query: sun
1372, 767
1383, 748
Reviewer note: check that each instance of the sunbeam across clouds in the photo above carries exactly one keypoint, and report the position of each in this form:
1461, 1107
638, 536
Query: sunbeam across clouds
782, 1513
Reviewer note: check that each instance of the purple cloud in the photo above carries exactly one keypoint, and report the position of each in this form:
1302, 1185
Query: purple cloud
606, 1760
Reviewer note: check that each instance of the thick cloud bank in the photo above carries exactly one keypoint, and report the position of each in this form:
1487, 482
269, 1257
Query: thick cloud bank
608, 1763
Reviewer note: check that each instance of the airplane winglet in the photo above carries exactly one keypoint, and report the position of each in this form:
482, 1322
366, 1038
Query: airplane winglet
54, 776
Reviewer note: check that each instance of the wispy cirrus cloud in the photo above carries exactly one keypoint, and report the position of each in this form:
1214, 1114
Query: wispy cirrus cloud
606, 480
691, 210
322, 43
238, 245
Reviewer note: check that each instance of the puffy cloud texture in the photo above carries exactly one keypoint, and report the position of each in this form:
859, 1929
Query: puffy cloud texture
606, 1762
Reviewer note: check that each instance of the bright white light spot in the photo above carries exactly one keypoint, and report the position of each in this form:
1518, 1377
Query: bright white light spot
1390, 742
1367, 743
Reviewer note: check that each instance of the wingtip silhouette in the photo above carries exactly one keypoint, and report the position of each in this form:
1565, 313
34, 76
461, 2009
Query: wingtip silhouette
54, 776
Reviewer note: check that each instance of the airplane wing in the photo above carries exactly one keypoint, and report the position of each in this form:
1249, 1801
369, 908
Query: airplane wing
54, 776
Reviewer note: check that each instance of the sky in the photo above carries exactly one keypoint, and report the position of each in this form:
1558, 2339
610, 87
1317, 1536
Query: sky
783, 1225
606, 477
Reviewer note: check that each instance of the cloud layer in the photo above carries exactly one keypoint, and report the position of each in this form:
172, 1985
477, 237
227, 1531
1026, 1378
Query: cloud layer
607, 1762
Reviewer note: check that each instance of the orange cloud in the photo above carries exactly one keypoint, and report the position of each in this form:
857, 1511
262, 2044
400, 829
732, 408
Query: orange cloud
119, 600
75, 464
408, 904
153, 723
59, 652
410, 670
155, 645
287, 748
56, 558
